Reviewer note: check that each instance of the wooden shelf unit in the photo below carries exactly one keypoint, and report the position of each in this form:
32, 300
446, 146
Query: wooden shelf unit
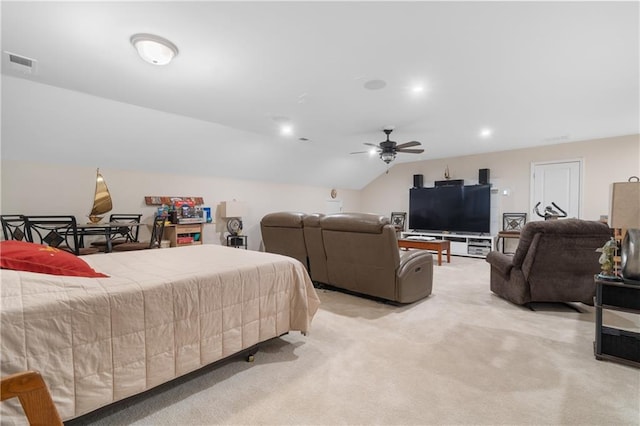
181, 235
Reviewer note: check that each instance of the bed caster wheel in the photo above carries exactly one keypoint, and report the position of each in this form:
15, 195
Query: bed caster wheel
251, 358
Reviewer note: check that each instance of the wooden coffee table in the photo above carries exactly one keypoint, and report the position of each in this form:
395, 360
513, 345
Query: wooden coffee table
435, 245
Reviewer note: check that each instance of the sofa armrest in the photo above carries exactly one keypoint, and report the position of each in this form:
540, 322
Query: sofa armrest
501, 262
415, 275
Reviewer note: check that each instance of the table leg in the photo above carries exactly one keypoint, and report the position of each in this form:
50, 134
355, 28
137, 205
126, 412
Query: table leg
108, 247
440, 256
448, 254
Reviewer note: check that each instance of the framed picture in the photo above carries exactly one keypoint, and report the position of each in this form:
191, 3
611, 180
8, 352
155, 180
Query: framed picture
398, 219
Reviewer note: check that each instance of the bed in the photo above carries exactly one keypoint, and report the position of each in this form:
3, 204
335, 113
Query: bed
159, 315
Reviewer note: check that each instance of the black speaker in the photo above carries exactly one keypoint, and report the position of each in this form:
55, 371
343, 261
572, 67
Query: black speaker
417, 181
483, 176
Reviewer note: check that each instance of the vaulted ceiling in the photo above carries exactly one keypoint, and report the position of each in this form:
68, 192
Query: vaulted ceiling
534, 73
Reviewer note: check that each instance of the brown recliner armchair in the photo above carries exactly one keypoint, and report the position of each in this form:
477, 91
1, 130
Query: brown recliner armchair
555, 262
282, 233
362, 256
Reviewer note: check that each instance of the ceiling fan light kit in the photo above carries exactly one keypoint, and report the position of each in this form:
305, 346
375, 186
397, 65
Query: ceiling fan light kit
387, 157
388, 149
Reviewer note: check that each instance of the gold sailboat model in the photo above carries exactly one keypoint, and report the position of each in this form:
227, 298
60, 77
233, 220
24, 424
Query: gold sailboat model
101, 201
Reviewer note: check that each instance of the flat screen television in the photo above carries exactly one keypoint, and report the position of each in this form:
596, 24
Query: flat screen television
455, 208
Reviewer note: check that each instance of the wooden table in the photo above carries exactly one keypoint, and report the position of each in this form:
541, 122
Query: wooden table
504, 235
435, 245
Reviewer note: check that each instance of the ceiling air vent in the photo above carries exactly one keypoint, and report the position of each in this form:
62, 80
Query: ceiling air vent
21, 63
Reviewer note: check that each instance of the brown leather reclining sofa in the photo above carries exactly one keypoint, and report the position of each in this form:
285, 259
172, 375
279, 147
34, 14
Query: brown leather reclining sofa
357, 252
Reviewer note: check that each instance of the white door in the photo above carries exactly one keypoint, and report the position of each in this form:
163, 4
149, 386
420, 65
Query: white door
556, 182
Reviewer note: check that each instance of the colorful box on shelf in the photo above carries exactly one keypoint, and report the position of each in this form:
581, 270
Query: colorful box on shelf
184, 240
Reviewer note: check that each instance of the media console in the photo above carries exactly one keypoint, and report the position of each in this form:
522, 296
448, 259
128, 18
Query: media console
461, 244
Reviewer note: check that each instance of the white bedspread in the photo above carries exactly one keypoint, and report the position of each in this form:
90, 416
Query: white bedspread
161, 314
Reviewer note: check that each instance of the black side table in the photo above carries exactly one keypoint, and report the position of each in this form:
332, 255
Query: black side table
612, 343
237, 241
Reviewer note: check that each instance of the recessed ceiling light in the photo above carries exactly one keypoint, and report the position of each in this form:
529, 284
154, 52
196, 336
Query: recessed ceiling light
154, 49
486, 133
286, 129
418, 88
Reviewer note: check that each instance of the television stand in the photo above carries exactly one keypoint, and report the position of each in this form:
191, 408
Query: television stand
461, 244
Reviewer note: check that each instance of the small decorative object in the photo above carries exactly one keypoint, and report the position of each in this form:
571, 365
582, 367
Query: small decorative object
207, 214
398, 219
625, 214
334, 193
101, 200
157, 200
446, 173
606, 260
233, 212
234, 226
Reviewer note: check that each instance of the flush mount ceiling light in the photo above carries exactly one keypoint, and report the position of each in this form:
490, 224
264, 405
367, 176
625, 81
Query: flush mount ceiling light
154, 49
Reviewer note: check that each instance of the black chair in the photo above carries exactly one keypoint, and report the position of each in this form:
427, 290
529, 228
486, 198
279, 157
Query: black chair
56, 231
154, 242
512, 224
123, 234
13, 227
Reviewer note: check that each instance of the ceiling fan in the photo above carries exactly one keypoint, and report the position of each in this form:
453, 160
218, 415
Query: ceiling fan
388, 149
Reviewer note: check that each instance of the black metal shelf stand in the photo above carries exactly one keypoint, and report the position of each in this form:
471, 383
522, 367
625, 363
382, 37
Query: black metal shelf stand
615, 344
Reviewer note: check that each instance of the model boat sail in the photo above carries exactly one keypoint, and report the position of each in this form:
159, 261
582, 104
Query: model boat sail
101, 201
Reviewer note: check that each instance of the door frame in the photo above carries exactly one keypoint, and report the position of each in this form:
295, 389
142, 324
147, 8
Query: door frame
580, 162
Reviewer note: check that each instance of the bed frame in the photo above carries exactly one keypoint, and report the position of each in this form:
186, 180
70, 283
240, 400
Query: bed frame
160, 314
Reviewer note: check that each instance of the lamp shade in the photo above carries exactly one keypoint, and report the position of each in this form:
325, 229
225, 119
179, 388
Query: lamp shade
625, 205
233, 209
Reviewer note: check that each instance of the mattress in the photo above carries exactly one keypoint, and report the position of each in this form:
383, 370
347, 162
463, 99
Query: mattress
160, 314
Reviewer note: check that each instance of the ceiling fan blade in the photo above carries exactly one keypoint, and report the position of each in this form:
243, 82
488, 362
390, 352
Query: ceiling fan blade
372, 144
408, 144
411, 151
359, 152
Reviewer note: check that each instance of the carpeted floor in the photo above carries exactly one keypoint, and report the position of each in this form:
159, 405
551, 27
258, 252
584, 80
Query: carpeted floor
461, 356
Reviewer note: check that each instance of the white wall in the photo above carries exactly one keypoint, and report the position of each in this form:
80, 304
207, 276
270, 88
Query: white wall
41, 175
45, 188
40, 188
604, 160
